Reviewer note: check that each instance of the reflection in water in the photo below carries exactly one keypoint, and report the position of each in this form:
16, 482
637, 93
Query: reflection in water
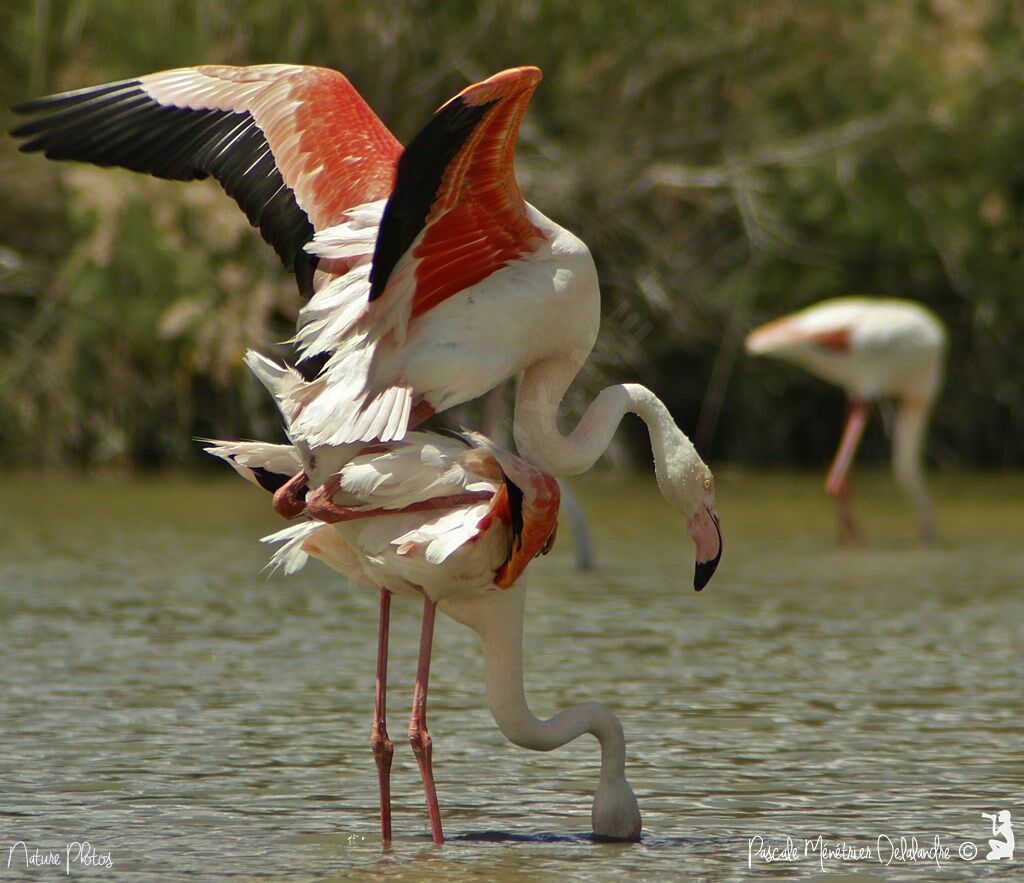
171, 704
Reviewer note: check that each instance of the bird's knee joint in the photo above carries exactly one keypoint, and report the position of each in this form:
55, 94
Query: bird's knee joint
420, 741
382, 746
839, 492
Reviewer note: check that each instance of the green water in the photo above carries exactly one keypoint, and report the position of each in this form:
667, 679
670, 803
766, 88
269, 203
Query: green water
190, 716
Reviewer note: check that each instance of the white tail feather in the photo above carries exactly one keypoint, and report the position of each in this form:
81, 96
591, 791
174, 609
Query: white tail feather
244, 457
291, 557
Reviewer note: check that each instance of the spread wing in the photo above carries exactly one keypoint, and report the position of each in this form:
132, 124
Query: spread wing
456, 214
294, 146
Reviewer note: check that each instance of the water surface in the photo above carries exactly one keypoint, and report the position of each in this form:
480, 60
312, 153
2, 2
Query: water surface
171, 704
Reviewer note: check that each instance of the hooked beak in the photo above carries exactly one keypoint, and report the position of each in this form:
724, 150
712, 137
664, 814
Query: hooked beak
707, 537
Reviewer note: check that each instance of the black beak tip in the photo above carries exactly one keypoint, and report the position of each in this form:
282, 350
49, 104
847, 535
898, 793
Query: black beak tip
703, 572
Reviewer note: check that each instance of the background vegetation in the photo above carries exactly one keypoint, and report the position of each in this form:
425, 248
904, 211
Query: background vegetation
726, 162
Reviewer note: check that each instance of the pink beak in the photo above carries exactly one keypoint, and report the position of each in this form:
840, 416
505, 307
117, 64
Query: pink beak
707, 537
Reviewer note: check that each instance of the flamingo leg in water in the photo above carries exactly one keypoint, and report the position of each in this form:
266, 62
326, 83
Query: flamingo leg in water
383, 748
837, 484
419, 736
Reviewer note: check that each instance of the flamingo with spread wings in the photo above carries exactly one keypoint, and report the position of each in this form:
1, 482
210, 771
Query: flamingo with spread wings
431, 279
380, 238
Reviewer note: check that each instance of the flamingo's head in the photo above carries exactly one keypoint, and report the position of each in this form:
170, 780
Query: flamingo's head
616, 814
687, 484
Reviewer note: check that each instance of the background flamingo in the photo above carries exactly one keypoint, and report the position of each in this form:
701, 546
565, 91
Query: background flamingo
453, 521
432, 280
871, 347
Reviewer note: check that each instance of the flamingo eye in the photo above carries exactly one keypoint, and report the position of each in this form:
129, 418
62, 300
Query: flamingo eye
708, 484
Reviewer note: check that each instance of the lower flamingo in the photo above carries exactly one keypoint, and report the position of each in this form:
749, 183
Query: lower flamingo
453, 521
871, 347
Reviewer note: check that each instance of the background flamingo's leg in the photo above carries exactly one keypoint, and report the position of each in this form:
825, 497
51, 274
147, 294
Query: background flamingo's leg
419, 736
837, 484
383, 747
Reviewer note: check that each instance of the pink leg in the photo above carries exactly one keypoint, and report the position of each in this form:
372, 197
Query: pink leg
322, 507
418, 734
383, 748
836, 484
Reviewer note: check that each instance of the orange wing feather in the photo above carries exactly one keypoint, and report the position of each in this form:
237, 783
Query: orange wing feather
343, 148
478, 222
540, 516
837, 339
332, 150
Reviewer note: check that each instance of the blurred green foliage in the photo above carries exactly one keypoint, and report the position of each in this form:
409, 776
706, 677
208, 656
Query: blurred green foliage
725, 161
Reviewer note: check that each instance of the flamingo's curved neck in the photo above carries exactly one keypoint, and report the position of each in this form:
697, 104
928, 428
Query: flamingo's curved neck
542, 443
907, 445
498, 619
